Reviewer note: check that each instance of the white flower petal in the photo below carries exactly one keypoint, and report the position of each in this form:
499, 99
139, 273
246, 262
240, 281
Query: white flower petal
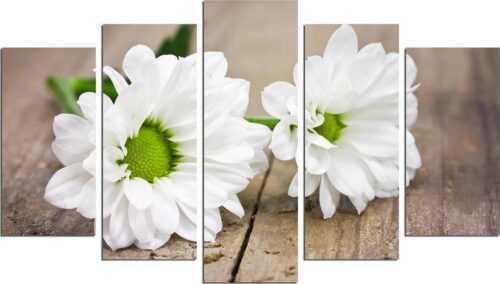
158, 240
88, 202
186, 228
318, 140
225, 146
365, 70
349, 175
284, 141
215, 65
360, 202
139, 192
166, 65
292, 188
372, 49
275, 97
342, 101
385, 172
181, 186
71, 144
411, 110
372, 140
383, 110
410, 175
312, 183
212, 221
141, 223
87, 103
183, 133
66, 185
112, 170
128, 111
259, 163
116, 78
219, 187
111, 197
164, 212
342, 45
255, 134
329, 198
317, 159
232, 154
386, 84
413, 159
134, 61
234, 206
188, 148
118, 233
411, 71
89, 164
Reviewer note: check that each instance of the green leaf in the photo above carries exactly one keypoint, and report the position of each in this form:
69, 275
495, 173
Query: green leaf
67, 91
64, 93
82, 85
266, 121
177, 45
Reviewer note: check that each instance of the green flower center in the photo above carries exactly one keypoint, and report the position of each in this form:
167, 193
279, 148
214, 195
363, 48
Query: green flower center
151, 154
332, 127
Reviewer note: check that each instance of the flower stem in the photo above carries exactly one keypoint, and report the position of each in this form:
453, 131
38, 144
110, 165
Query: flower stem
267, 121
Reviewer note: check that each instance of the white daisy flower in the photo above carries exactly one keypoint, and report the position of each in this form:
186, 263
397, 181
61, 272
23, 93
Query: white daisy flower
351, 117
413, 159
233, 147
74, 186
150, 149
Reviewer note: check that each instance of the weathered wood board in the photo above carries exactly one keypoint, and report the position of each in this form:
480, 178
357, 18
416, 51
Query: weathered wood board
456, 192
259, 40
28, 110
372, 235
116, 41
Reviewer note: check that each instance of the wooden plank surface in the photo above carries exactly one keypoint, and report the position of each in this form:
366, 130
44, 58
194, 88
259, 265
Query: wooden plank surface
259, 40
373, 234
28, 110
271, 253
222, 256
117, 39
456, 192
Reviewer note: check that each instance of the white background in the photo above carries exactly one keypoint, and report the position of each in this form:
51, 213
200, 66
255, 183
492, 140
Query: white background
423, 23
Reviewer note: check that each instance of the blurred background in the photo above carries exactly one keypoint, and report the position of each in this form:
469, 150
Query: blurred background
258, 38
118, 39
28, 110
457, 190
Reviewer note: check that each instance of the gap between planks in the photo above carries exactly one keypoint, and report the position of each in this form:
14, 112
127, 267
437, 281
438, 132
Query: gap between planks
248, 233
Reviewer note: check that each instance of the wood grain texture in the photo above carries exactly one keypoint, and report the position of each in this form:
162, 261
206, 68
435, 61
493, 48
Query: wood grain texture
259, 40
222, 256
117, 40
271, 253
372, 235
28, 111
455, 193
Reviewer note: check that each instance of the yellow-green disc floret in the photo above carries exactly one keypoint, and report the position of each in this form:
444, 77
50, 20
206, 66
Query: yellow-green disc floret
151, 154
332, 127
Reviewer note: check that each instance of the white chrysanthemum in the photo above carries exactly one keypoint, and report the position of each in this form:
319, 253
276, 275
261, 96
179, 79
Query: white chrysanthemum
233, 147
150, 150
351, 117
74, 186
413, 160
